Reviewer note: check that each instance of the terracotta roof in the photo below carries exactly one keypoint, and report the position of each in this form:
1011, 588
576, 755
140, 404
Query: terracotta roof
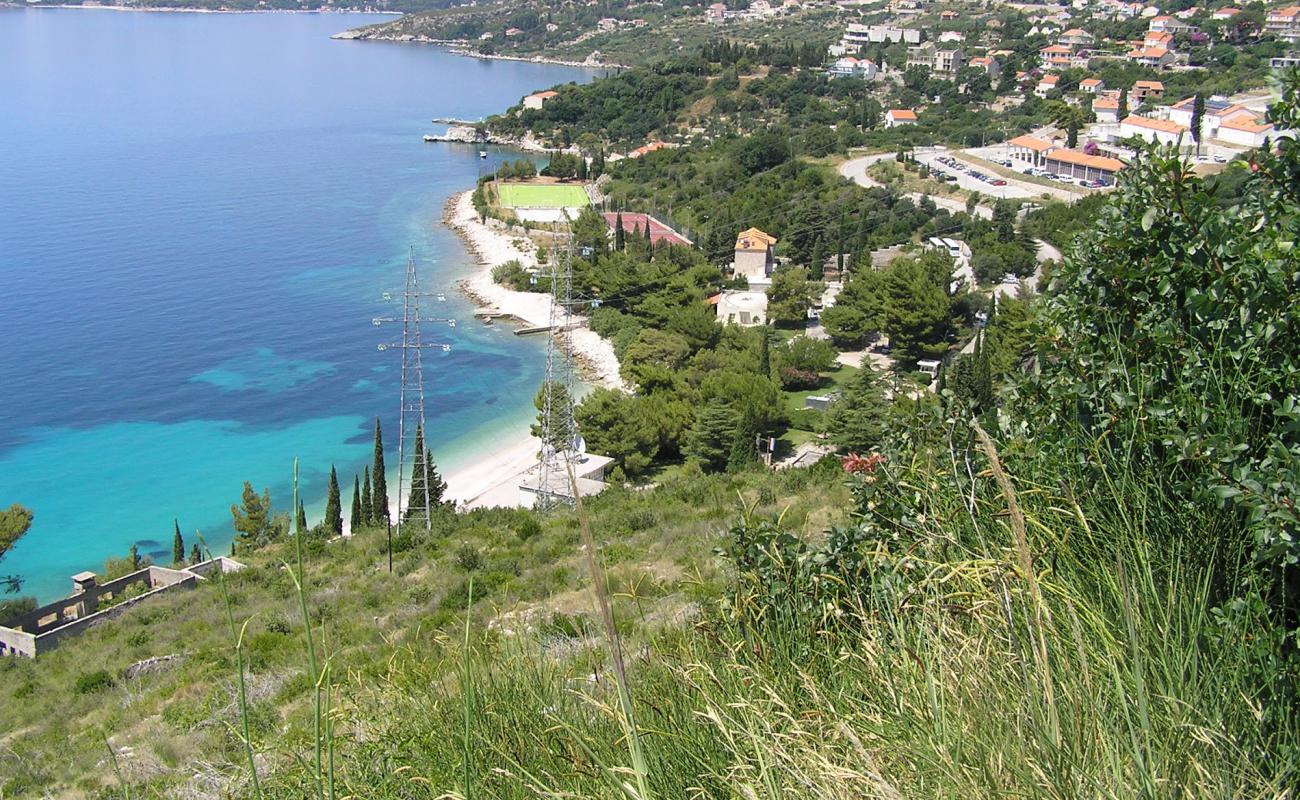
1148, 52
1251, 124
544, 95
1066, 156
1031, 143
1090, 82
902, 113
1159, 37
1076, 32
754, 240
1050, 79
1149, 85
1055, 49
1105, 103
1167, 126
659, 232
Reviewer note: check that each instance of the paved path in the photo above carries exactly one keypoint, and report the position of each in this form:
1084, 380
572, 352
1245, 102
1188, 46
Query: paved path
855, 169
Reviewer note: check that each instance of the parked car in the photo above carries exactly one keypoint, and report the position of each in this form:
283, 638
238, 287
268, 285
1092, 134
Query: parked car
998, 182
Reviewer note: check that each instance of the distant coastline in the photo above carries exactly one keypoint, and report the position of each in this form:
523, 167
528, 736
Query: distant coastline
462, 47
196, 10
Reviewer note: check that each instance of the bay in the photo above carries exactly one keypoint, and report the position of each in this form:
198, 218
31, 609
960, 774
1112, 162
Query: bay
199, 217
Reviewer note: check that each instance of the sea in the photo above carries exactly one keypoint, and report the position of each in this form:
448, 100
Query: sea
202, 216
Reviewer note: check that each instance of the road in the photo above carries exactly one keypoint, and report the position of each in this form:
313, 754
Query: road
855, 169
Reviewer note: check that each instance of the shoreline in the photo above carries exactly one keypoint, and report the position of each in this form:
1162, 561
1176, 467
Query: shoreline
492, 478
195, 10
461, 47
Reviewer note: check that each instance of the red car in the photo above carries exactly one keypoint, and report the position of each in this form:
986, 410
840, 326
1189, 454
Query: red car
998, 182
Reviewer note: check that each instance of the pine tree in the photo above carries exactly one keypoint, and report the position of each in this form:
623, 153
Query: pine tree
620, 236
856, 420
333, 506
743, 452
178, 544
195, 555
712, 437
367, 511
355, 520
379, 492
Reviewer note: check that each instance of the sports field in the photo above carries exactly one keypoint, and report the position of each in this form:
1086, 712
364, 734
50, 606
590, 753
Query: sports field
540, 195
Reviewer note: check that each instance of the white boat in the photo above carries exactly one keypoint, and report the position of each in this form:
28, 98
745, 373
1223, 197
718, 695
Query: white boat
428, 137
482, 154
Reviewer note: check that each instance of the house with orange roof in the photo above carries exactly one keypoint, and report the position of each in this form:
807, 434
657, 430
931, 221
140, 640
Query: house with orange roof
1091, 85
754, 257
1106, 110
1158, 39
1154, 57
1076, 39
1143, 90
1225, 13
536, 100
899, 116
1217, 111
1284, 23
1160, 131
1245, 130
1046, 84
989, 64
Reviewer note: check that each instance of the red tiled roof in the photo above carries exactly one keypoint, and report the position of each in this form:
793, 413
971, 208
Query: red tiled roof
1066, 156
659, 232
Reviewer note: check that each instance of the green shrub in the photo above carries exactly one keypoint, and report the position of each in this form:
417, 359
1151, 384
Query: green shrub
95, 681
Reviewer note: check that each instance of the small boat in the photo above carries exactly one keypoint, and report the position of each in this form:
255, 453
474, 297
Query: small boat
482, 154
428, 137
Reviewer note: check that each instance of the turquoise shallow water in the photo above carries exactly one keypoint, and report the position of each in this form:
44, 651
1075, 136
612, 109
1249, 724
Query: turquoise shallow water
199, 215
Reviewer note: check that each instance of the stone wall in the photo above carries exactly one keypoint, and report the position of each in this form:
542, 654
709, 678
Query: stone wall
42, 629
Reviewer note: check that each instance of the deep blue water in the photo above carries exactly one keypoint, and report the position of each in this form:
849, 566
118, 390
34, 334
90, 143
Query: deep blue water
199, 215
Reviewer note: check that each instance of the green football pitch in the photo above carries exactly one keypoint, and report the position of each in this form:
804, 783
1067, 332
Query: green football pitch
540, 195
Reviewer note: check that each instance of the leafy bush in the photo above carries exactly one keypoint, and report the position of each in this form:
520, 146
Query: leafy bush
94, 681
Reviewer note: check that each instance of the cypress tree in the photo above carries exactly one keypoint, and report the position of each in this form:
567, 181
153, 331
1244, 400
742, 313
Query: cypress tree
415, 498
333, 505
379, 492
1198, 115
355, 521
302, 516
367, 511
620, 236
649, 243
743, 452
134, 555
195, 555
1123, 104
178, 544
437, 486
764, 353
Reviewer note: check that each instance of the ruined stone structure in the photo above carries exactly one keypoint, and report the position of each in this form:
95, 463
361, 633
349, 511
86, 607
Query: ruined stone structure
42, 629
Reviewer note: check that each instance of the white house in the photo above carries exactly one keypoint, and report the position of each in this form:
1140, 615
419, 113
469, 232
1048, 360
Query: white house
1225, 13
1091, 85
1152, 130
987, 63
536, 100
899, 116
850, 67
1046, 84
1154, 57
1217, 111
1106, 109
744, 308
754, 257
1245, 131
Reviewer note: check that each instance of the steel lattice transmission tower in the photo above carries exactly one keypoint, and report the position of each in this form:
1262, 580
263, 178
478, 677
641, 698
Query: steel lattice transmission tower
411, 393
559, 431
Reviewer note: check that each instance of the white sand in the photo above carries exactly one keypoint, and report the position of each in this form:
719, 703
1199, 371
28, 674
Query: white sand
493, 479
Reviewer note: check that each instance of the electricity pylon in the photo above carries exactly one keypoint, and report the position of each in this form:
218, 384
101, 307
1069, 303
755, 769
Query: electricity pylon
411, 393
559, 431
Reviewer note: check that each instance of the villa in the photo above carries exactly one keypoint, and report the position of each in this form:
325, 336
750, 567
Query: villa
754, 257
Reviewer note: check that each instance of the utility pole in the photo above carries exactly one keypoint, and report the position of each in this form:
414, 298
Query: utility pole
411, 391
